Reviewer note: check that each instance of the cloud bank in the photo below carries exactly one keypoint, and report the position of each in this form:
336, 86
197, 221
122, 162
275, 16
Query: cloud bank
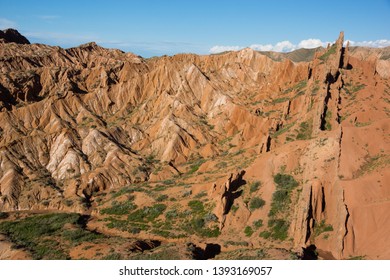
287, 46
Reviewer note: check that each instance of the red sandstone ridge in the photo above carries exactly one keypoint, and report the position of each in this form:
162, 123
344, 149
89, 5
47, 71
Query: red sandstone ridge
105, 154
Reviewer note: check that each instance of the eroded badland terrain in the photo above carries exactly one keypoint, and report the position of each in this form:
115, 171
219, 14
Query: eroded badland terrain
240, 155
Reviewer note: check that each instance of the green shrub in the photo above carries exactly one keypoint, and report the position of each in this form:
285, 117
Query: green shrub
305, 131
119, 208
196, 206
171, 214
258, 224
78, 236
321, 228
196, 165
36, 233
279, 228
162, 197
147, 213
285, 181
254, 186
265, 234
256, 203
248, 231
332, 50
113, 256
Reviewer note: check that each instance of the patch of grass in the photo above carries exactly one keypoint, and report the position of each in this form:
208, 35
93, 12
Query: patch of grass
254, 186
281, 200
125, 225
38, 233
351, 88
78, 236
332, 50
258, 224
202, 221
357, 258
122, 191
282, 130
196, 206
280, 100
281, 197
113, 256
196, 165
321, 228
164, 253
248, 231
298, 87
362, 124
328, 118
147, 213
372, 163
256, 203
305, 130
285, 181
265, 234
237, 243
161, 198
279, 229
122, 208
200, 195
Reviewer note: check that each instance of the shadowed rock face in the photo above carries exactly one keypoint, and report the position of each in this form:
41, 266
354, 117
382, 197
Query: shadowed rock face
78, 124
13, 36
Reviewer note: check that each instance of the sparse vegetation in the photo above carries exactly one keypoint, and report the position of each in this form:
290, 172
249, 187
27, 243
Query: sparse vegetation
282, 130
248, 231
121, 208
195, 166
305, 130
196, 206
328, 118
41, 234
371, 163
256, 203
332, 50
280, 100
278, 225
254, 186
321, 228
147, 213
279, 228
351, 88
258, 224
265, 234
77, 236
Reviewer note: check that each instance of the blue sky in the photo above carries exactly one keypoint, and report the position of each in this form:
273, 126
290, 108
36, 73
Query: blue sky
152, 27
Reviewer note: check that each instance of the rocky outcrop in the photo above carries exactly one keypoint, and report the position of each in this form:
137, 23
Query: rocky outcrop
13, 36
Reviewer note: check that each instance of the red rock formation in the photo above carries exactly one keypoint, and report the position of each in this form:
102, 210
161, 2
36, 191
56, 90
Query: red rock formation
79, 123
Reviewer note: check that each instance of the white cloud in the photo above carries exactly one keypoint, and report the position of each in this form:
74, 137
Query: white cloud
219, 49
372, 44
6, 23
287, 46
284, 46
258, 47
311, 44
